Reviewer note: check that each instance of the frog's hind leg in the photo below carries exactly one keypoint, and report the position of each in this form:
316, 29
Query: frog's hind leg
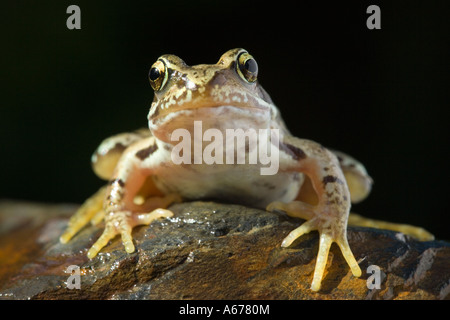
413, 231
90, 210
327, 211
358, 181
105, 158
360, 185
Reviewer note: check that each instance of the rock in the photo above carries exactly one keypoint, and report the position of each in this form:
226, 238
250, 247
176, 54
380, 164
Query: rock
208, 251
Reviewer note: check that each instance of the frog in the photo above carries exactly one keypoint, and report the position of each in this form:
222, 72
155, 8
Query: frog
313, 183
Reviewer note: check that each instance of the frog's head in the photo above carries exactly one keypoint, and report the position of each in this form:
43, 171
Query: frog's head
224, 95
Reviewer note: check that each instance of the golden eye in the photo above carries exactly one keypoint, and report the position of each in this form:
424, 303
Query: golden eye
158, 75
247, 67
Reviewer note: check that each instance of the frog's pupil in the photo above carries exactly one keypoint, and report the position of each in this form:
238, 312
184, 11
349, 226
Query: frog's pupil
251, 66
154, 74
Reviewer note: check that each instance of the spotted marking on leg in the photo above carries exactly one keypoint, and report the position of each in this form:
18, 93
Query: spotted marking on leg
146, 152
331, 179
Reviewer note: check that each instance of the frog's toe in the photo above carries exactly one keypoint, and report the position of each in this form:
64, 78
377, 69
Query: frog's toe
331, 229
276, 205
88, 211
78, 221
68, 234
324, 248
348, 255
326, 239
98, 217
296, 233
147, 218
117, 222
109, 233
123, 222
413, 231
127, 239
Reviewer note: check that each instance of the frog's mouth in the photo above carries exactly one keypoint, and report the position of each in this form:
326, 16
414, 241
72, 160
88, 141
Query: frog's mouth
162, 108
214, 116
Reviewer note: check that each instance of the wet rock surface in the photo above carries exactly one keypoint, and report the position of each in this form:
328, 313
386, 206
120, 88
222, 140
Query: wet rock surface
208, 251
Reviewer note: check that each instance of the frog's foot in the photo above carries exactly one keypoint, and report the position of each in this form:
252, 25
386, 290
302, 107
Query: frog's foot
90, 210
122, 222
413, 231
330, 229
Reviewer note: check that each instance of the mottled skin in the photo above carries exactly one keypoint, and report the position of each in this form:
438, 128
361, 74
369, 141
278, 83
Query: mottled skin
144, 181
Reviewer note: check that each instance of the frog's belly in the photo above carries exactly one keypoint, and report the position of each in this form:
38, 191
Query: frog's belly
240, 184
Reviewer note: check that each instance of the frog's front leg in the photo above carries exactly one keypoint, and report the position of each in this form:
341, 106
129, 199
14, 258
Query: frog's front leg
119, 207
330, 215
122, 213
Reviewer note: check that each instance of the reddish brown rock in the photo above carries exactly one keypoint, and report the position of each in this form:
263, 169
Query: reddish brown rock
208, 251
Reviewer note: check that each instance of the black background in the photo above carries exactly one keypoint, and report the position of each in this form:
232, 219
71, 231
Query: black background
379, 95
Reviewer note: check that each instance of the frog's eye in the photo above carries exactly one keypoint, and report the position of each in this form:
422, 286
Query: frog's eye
247, 68
158, 75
